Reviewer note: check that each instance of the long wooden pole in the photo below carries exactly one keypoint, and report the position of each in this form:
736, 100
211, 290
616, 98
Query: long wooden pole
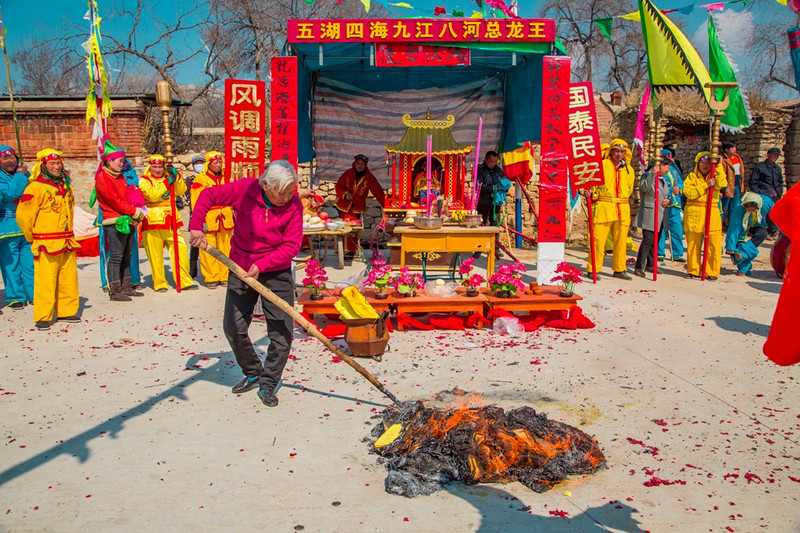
164, 101
10, 90
710, 199
297, 317
592, 253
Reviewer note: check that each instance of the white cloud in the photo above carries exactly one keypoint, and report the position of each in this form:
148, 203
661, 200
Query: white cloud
734, 29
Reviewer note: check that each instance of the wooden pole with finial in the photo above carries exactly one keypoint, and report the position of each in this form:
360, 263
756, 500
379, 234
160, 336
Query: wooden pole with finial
658, 135
718, 108
10, 91
164, 101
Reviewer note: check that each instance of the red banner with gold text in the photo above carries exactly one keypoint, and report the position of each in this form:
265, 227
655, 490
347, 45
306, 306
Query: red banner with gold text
283, 92
585, 158
245, 105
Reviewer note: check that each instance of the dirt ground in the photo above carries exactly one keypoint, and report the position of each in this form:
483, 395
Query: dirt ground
126, 422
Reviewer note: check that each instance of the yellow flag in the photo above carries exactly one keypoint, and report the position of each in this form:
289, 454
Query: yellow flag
631, 16
366, 5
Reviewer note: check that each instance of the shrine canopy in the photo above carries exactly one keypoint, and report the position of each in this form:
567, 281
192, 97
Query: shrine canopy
350, 70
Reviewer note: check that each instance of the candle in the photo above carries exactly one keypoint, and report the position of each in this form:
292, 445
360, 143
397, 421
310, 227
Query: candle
477, 162
428, 174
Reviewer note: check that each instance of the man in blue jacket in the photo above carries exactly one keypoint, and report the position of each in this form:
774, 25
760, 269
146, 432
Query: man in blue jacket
16, 258
748, 217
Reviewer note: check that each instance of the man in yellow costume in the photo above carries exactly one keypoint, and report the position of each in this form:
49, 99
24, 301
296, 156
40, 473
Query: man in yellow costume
45, 214
611, 209
219, 222
696, 188
156, 184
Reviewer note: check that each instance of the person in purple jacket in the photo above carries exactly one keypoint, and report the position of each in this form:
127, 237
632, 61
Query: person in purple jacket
267, 233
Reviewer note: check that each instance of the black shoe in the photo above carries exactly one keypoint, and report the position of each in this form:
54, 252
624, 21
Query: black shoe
247, 384
679, 260
43, 325
190, 288
711, 278
74, 319
17, 305
589, 275
162, 290
639, 272
689, 276
622, 275
649, 269
268, 397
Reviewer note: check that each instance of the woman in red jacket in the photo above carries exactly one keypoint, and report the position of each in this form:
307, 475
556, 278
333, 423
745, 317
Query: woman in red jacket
114, 196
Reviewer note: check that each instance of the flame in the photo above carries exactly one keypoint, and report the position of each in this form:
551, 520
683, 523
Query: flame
494, 446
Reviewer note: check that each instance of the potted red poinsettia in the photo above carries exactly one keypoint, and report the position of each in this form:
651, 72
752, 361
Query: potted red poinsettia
315, 279
508, 279
407, 283
471, 281
567, 276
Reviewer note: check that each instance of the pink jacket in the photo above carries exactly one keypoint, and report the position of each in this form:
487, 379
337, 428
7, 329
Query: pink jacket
269, 241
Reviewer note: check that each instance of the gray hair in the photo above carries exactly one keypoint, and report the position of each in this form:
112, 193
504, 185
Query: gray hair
279, 176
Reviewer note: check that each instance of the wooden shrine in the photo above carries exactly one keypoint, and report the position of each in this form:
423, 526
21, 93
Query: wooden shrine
407, 159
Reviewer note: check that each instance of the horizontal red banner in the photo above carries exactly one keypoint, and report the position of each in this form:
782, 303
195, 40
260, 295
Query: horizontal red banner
422, 30
413, 55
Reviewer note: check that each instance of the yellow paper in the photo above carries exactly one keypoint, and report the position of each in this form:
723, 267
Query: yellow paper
388, 436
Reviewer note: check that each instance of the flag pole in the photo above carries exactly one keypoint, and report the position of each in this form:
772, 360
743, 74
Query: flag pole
10, 90
718, 109
164, 99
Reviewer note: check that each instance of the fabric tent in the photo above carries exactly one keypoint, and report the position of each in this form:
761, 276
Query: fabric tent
517, 66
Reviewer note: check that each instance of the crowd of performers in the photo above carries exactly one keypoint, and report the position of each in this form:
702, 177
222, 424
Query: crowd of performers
739, 208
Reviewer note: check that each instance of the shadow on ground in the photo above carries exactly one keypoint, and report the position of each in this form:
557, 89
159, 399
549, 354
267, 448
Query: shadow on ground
501, 511
740, 325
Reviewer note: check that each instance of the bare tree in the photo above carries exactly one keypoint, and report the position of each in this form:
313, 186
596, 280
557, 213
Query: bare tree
628, 58
47, 67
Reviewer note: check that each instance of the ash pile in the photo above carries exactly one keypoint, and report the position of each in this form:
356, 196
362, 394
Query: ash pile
425, 448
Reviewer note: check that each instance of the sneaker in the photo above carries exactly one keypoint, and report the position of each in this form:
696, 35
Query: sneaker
622, 275
212, 285
268, 397
711, 278
247, 384
639, 272
74, 319
17, 305
191, 287
162, 290
43, 325
661, 258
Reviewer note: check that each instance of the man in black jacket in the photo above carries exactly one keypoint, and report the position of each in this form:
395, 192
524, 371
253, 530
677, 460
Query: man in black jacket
489, 176
767, 179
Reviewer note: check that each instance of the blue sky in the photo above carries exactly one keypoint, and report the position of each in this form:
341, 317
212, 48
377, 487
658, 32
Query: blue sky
21, 21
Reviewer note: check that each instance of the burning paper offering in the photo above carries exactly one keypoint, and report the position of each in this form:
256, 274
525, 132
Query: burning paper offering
428, 447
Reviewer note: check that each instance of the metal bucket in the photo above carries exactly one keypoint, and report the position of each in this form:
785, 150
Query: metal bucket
428, 222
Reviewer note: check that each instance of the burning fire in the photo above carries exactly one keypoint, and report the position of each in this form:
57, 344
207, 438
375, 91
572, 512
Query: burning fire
476, 443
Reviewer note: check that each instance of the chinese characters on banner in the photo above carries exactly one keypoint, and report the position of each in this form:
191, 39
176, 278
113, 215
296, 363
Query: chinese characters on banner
413, 55
283, 91
585, 159
245, 103
555, 140
422, 30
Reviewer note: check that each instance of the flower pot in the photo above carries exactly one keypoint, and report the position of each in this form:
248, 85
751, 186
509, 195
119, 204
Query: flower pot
503, 294
317, 296
472, 291
565, 294
380, 295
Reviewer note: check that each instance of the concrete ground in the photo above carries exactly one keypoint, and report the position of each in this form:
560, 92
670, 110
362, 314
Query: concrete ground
126, 422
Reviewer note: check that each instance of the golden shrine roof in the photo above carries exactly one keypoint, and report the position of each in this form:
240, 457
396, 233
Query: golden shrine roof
415, 140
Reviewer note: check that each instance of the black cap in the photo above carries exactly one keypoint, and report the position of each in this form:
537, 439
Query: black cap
774, 151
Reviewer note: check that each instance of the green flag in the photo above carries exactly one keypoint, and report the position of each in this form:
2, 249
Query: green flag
721, 68
605, 27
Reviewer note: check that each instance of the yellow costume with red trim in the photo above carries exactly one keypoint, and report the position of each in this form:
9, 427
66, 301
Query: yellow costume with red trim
611, 208
157, 225
45, 214
219, 222
694, 219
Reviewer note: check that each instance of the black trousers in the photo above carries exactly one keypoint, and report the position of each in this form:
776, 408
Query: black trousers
645, 255
240, 300
120, 245
488, 212
757, 235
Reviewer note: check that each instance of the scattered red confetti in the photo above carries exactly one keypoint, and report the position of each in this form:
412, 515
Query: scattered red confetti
656, 481
559, 513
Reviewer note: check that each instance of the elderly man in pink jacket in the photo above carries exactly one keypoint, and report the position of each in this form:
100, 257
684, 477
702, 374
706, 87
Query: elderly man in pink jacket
267, 235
